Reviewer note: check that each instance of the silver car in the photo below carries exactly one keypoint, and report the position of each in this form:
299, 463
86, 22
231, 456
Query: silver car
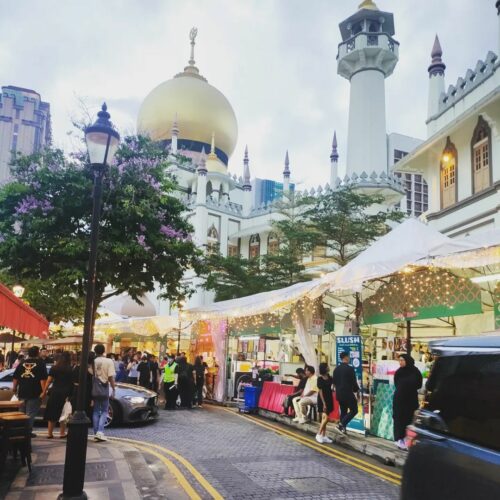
131, 404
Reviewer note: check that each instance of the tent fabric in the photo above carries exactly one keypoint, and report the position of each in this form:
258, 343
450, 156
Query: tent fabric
408, 243
259, 303
18, 316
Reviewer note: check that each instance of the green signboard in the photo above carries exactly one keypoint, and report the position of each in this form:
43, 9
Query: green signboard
496, 307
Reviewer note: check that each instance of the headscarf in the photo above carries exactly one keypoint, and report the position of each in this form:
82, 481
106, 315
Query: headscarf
410, 362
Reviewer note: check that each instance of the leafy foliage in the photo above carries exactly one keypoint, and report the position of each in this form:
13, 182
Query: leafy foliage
45, 214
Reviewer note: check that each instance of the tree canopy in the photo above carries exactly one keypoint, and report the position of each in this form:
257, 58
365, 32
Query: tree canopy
45, 213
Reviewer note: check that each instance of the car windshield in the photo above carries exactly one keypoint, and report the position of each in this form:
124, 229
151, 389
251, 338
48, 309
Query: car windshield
465, 390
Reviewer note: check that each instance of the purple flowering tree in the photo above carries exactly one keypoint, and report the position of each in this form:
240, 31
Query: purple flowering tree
45, 221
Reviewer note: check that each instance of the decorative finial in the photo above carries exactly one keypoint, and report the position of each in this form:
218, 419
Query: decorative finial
212, 155
202, 168
286, 172
368, 4
192, 36
246, 171
334, 156
175, 126
245, 157
437, 65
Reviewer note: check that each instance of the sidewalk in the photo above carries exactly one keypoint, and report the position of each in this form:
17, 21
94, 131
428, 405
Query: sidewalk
369, 445
114, 471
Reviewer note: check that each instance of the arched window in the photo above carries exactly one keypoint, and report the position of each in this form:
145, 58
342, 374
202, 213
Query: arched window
374, 27
212, 239
209, 189
481, 156
254, 247
449, 185
273, 244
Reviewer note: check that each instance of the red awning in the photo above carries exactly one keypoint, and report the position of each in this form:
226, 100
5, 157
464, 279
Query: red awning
17, 315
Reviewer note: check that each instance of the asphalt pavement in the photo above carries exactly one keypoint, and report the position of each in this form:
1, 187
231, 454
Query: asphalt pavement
226, 455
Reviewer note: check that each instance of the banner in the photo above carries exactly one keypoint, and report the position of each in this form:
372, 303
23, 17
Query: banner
353, 345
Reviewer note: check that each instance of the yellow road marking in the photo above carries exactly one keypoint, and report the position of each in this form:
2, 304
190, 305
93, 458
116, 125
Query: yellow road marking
208, 487
343, 457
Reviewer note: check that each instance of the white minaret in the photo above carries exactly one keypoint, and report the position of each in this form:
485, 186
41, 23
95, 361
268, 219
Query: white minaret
366, 57
436, 78
286, 175
247, 185
334, 162
201, 213
175, 136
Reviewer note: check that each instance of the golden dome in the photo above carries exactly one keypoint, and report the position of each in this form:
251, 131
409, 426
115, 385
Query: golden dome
200, 108
368, 4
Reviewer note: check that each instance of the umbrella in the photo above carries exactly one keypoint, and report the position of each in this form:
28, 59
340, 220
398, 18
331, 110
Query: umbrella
76, 339
10, 338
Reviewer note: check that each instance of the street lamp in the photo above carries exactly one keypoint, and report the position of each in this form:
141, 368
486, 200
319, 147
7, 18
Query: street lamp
102, 142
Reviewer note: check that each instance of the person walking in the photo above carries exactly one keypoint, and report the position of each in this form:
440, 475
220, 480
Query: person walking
325, 401
133, 373
29, 381
346, 385
61, 378
170, 383
200, 368
103, 371
407, 380
144, 370
88, 390
185, 381
155, 372
309, 396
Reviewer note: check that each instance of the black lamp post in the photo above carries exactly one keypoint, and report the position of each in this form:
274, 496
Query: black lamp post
102, 142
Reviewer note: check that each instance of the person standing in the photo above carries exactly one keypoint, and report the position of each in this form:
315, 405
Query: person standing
407, 380
2, 360
185, 381
325, 401
61, 378
155, 372
133, 373
144, 370
170, 383
104, 373
309, 397
200, 368
29, 381
346, 385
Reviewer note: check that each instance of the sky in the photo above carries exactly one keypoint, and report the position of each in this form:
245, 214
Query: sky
275, 60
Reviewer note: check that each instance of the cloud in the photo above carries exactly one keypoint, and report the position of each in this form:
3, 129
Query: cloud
275, 60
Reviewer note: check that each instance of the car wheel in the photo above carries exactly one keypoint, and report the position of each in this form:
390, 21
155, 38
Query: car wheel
114, 414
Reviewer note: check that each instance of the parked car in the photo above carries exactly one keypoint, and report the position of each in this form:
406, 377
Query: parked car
131, 404
454, 442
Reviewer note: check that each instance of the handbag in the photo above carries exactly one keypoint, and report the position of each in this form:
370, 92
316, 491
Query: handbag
66, 412
100, 390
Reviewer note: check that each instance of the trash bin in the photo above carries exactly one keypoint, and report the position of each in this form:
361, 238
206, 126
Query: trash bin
252, 397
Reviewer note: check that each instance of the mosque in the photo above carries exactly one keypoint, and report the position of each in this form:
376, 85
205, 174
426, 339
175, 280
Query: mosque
198, 124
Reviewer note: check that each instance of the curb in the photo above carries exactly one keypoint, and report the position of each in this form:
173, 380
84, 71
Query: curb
368, 445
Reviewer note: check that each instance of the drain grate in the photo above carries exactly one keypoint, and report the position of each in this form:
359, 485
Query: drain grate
314, 484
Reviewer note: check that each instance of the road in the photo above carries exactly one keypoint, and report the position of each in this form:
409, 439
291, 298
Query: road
222, 454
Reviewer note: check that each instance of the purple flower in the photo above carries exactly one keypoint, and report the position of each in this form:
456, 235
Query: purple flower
141, 239
142, 227
170, 232
30, 203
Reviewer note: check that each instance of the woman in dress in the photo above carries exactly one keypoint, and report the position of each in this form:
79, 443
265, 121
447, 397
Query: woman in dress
408, 380
61, 378
325, 401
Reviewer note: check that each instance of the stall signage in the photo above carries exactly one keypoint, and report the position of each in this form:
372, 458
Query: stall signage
353, 345
318, 326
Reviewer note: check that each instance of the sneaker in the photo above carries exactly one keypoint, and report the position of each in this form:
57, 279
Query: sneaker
319, 438
302, 421
296, 419
100, 437
401, 444
341, 429
326, 439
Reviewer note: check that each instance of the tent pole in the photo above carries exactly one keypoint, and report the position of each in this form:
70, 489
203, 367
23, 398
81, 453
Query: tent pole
408, 336
11, 361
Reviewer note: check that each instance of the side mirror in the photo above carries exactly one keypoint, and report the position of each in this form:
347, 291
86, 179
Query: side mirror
430, 420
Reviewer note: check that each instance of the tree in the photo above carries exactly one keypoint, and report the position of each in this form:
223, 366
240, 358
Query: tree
45, 216
344, 221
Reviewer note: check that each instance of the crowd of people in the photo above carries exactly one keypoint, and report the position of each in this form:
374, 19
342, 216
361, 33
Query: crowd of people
38, 375
313, 390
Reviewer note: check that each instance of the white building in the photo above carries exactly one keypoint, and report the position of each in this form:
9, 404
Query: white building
460, 159
198, 123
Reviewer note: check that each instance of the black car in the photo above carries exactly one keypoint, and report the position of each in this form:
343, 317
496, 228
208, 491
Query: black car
454, 443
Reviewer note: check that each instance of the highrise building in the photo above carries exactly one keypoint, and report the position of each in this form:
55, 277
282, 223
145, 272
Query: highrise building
25, 125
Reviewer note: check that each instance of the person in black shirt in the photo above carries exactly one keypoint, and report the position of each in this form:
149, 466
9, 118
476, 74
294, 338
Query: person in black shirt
288, 400
344, 379
325, 401
61, 378
185, 381
199, 369
144, 370
29, 381
155, 372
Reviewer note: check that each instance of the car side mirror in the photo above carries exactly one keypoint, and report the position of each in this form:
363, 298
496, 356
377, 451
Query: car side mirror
430, 420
